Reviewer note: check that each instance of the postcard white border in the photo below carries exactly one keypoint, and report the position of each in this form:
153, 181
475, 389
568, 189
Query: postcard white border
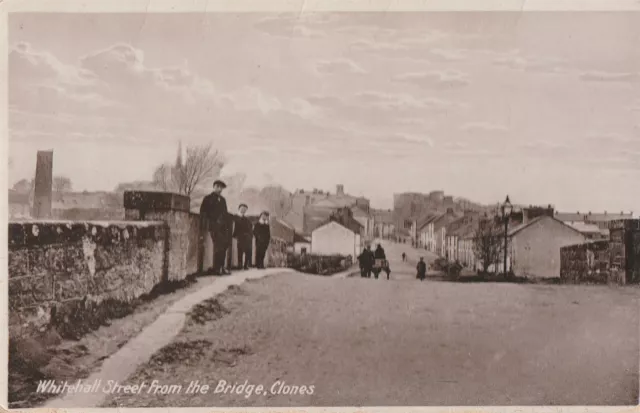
300, 6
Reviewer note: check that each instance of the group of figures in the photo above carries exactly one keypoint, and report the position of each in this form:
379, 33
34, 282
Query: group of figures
373, 262
223, 227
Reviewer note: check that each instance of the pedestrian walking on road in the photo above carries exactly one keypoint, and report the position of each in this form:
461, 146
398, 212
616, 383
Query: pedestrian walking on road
381, 262
422, 269
404, 257
366, 262
262, 232
213, 215
243, 233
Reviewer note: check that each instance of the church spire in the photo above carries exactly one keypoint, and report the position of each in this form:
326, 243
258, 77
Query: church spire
179, 158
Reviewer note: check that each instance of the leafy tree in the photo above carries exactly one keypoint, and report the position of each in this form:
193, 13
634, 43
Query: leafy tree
24, 186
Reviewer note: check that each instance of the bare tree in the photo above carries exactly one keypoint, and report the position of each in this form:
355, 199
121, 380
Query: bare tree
62, 184
487, 243
201, 166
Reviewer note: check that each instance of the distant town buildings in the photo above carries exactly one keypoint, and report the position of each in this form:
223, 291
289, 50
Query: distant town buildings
310, 209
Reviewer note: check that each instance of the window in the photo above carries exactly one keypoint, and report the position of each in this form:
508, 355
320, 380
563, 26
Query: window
303, 251
408, 224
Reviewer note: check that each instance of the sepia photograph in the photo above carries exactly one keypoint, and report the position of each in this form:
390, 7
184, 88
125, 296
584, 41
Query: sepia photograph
323, 208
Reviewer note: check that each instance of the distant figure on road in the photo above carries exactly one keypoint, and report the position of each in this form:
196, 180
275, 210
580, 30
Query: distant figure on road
213, 213
404, 257
262, 232
422, 269
243, 233
381, 262
366, 262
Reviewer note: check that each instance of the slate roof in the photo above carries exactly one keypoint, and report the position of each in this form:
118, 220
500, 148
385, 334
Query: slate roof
593, 217
300, 238
586, 228
519, 228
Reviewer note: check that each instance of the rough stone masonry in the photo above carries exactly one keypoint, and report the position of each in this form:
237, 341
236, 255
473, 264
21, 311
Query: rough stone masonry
57, 268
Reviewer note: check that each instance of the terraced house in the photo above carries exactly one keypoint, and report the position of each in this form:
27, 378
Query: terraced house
433, 232
459, 238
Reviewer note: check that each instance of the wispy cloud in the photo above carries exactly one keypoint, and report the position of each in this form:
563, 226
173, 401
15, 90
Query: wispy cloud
483, 127
435, 80
516, 60
290, 26
338, 67
609, 77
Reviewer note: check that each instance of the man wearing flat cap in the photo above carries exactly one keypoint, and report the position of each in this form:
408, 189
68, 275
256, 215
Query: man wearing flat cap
214, 216
243, 233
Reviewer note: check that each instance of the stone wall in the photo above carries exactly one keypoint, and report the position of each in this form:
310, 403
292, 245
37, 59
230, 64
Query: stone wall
62, 270
625, 249
588, 262
58, 267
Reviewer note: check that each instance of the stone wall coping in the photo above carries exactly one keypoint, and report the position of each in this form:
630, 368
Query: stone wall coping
47, 232
156, 201
94, 223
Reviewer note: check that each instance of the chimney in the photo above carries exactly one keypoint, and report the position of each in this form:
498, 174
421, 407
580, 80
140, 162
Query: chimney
339, 189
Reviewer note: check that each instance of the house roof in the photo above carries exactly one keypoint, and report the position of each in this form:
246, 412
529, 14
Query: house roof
297, 237
427, 220
424, 219
442, 220
334, 201
335, 222
358, 211
586, 228
521, 227
593, 217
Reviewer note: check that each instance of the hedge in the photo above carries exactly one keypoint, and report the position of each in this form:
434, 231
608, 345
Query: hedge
318, 264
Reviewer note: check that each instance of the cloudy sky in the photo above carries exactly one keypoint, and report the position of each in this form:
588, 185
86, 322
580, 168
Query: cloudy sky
542, 106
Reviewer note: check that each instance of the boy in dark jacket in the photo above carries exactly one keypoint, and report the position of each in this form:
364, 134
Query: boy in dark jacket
262, 232
243, 233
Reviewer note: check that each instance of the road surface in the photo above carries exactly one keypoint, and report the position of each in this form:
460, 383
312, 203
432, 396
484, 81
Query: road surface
403, 270
402, 342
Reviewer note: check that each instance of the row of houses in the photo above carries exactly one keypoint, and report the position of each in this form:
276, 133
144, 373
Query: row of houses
535, 236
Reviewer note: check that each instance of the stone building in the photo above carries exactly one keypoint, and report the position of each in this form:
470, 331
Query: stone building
341, 234
383, 223
316, 207
534, 246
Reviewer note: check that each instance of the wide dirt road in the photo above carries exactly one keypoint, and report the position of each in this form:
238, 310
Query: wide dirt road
366, 342
403, 270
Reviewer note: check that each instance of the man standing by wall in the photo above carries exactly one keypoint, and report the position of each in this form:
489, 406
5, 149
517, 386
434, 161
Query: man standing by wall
213, 215
243, 233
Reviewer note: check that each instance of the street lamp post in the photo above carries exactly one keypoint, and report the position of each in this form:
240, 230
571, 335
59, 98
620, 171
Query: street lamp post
506, 215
